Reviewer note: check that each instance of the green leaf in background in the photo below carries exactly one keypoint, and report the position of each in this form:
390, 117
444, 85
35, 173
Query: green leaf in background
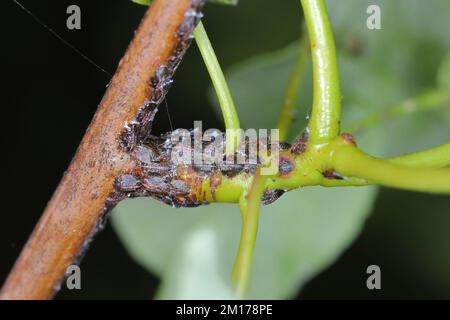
407, 50
258, 85
443, 80
301, 234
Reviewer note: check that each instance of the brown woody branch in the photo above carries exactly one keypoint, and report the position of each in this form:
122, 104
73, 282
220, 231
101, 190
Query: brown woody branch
86, 192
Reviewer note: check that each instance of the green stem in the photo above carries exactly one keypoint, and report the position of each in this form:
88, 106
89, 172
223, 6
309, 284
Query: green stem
250, 218
326, 109
229, 113
290, 98
350, 161
428, 100
434, 158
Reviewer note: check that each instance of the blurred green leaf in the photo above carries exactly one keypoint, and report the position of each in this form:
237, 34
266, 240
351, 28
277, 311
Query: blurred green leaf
151, 230
162, 238
407, 50
378, 68
444, 74
423, 222
226, 2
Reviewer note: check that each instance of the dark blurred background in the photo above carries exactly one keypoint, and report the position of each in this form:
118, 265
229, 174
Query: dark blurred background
50, 94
